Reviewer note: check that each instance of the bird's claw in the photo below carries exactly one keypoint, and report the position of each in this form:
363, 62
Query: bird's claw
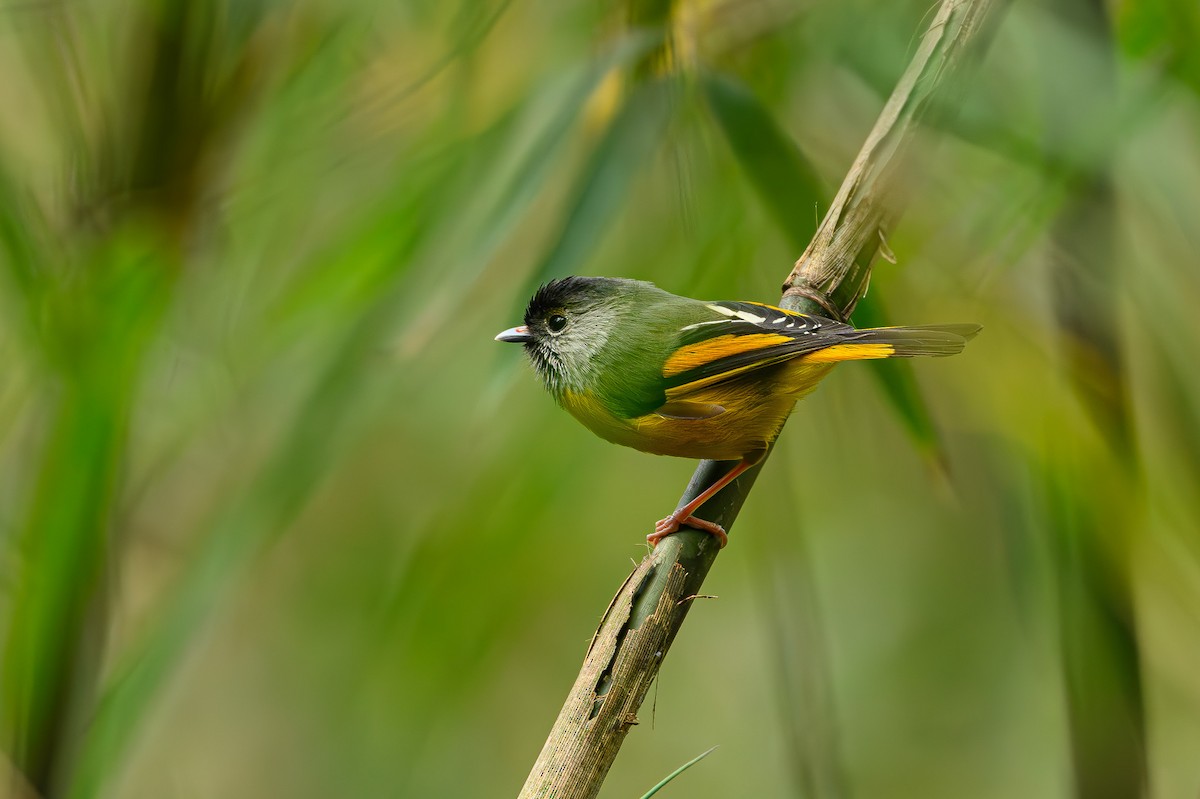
671, 524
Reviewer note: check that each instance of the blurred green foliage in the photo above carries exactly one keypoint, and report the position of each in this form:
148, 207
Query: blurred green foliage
280, 519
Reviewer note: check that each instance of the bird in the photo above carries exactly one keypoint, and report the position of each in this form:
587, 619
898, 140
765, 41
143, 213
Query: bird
671, 375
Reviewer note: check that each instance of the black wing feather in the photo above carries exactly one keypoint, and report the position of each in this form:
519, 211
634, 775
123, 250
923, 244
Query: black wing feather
805, 334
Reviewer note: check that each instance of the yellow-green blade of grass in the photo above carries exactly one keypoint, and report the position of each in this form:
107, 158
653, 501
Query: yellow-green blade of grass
665, 780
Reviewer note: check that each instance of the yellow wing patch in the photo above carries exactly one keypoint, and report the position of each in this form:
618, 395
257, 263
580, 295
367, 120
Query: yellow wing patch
696, 355
850, 352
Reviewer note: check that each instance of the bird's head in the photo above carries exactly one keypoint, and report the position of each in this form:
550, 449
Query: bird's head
567, 324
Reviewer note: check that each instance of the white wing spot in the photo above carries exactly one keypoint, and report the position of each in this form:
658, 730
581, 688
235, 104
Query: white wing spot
721, 309
749, 317
711, 322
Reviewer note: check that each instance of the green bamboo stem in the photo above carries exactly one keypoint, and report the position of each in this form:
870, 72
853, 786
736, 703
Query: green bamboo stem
828, 280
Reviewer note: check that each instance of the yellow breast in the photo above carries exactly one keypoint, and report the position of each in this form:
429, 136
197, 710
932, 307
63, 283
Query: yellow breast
756, 407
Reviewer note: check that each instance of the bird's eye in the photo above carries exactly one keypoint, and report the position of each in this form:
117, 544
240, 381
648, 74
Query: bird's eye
556, 323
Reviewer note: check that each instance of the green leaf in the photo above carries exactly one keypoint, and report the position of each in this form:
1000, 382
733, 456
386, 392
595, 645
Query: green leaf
239, 534
529, 155
619, 157
899, 383
784, 179
100, 326
1162, 32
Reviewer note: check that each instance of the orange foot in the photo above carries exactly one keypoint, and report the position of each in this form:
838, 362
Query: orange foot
670, 526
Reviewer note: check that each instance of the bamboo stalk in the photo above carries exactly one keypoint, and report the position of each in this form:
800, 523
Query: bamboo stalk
829, 278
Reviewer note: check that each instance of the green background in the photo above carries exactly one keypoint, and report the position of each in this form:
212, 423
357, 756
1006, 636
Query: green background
279, 519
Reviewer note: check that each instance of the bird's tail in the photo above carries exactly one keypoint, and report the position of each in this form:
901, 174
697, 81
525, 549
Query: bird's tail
898, 342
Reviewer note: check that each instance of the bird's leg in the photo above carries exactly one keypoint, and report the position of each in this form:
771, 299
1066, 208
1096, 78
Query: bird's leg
683, 516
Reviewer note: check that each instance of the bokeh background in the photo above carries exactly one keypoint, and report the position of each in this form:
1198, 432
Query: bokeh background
279, 518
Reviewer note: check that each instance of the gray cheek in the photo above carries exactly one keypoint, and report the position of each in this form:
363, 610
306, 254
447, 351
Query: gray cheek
580, 352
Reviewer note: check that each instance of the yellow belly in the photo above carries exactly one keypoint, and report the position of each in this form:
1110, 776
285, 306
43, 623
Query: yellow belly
756, 406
